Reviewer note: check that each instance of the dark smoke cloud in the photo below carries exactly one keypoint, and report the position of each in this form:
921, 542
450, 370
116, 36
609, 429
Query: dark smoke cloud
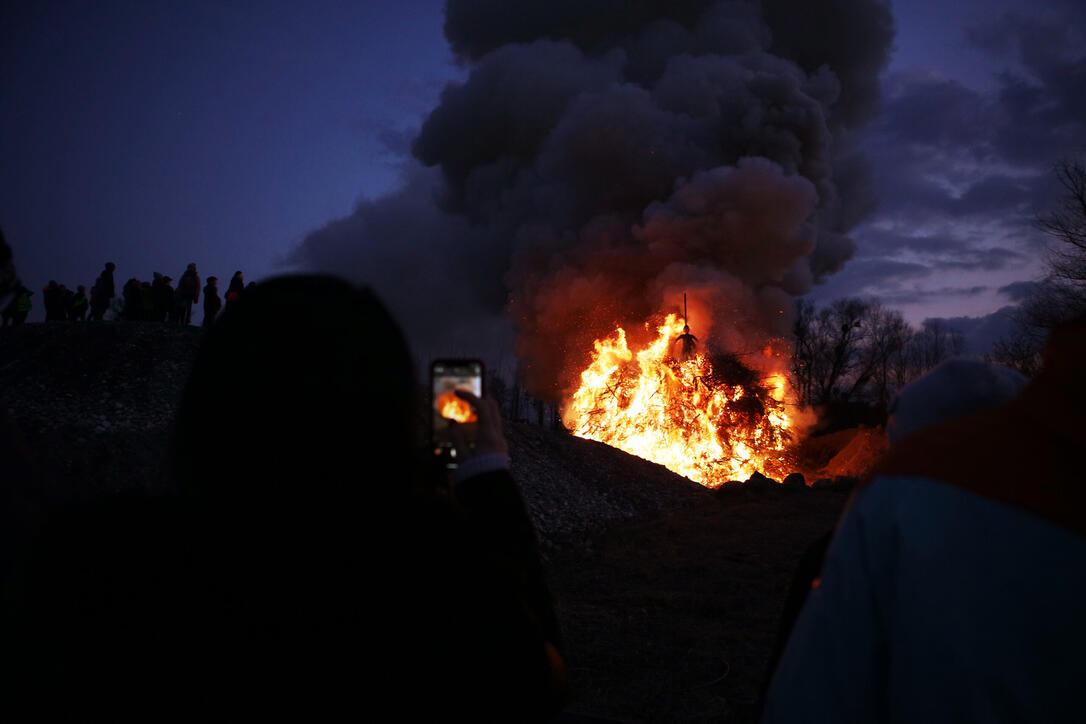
603, 157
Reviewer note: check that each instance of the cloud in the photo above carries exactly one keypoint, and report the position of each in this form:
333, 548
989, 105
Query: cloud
430, 267
1041, 99
875, 276
915, 296
991, 259
936, 112
601, 157
1020, 291
962, 173
980, 333
397, 141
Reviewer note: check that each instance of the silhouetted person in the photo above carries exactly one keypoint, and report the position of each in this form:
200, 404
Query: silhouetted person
133, 305
688, 344
212, 303
66, 297
953, 587
77, 307
7, 312
236, 289
8, 279
310, 563
19, 307
148, 311
187, 294
286, 355
103, 292
163, 295
53, 299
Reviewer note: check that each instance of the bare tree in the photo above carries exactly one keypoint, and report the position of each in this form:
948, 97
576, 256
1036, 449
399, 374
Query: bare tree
847, 351
889, 337
1018, 352
826, 347
854, 351
934, 343
1062, 295
1067, 225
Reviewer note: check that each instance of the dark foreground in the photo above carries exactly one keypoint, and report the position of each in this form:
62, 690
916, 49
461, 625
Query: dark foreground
674, 619
669, 594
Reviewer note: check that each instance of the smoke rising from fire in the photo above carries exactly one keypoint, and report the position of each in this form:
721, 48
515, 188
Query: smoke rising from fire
603, 157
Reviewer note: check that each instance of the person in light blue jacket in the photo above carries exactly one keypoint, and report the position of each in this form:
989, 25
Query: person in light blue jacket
954, 588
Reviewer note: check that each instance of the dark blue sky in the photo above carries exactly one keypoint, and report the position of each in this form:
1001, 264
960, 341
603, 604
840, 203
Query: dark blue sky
154, 134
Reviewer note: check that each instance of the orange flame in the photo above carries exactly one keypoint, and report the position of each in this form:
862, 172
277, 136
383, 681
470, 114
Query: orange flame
453, 408
680, 414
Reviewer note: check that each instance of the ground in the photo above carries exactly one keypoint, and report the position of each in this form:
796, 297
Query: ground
673, 619
669, 594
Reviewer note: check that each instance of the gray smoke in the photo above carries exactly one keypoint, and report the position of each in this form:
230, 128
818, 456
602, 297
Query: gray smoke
603, 157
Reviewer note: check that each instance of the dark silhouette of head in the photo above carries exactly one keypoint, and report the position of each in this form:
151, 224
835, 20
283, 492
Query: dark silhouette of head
110, 266
304, 385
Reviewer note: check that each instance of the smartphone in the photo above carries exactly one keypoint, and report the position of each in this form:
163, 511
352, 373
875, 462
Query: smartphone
447, 376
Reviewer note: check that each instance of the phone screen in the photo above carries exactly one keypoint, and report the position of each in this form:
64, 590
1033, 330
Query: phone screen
447, 376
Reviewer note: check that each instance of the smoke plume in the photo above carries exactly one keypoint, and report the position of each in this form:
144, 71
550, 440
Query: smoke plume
604, 156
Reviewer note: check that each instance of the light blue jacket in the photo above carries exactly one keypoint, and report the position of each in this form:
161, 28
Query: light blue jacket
937, 604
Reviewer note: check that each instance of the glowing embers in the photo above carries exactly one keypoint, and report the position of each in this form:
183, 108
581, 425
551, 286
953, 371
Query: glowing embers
710, 423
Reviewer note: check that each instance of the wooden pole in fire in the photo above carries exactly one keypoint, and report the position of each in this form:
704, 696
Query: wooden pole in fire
688, 343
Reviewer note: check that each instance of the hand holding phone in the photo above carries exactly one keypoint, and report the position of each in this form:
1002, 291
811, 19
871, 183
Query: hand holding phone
450, 411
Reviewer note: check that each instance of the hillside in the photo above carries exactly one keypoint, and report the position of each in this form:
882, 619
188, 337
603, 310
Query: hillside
95, 404
668, 593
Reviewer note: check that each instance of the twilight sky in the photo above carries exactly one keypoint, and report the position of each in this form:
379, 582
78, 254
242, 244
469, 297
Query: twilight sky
250, 135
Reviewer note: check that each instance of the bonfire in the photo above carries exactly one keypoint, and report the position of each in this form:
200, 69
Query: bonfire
708, 417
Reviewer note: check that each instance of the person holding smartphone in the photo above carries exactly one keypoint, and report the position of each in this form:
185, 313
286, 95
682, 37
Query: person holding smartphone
308, 561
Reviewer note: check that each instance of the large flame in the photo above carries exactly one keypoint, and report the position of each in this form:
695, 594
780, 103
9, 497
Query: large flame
452, 407
681, 414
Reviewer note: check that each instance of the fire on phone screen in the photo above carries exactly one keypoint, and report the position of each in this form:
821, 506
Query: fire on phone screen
447, 376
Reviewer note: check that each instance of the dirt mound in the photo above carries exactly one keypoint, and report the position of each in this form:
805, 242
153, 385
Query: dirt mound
846, 453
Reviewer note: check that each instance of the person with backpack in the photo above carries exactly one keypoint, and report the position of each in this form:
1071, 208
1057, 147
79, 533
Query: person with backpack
236, 288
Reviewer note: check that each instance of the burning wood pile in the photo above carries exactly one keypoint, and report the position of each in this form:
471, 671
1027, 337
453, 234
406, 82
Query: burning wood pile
705, 416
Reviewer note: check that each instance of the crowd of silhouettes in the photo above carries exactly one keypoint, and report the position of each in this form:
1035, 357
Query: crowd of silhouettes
141, 301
